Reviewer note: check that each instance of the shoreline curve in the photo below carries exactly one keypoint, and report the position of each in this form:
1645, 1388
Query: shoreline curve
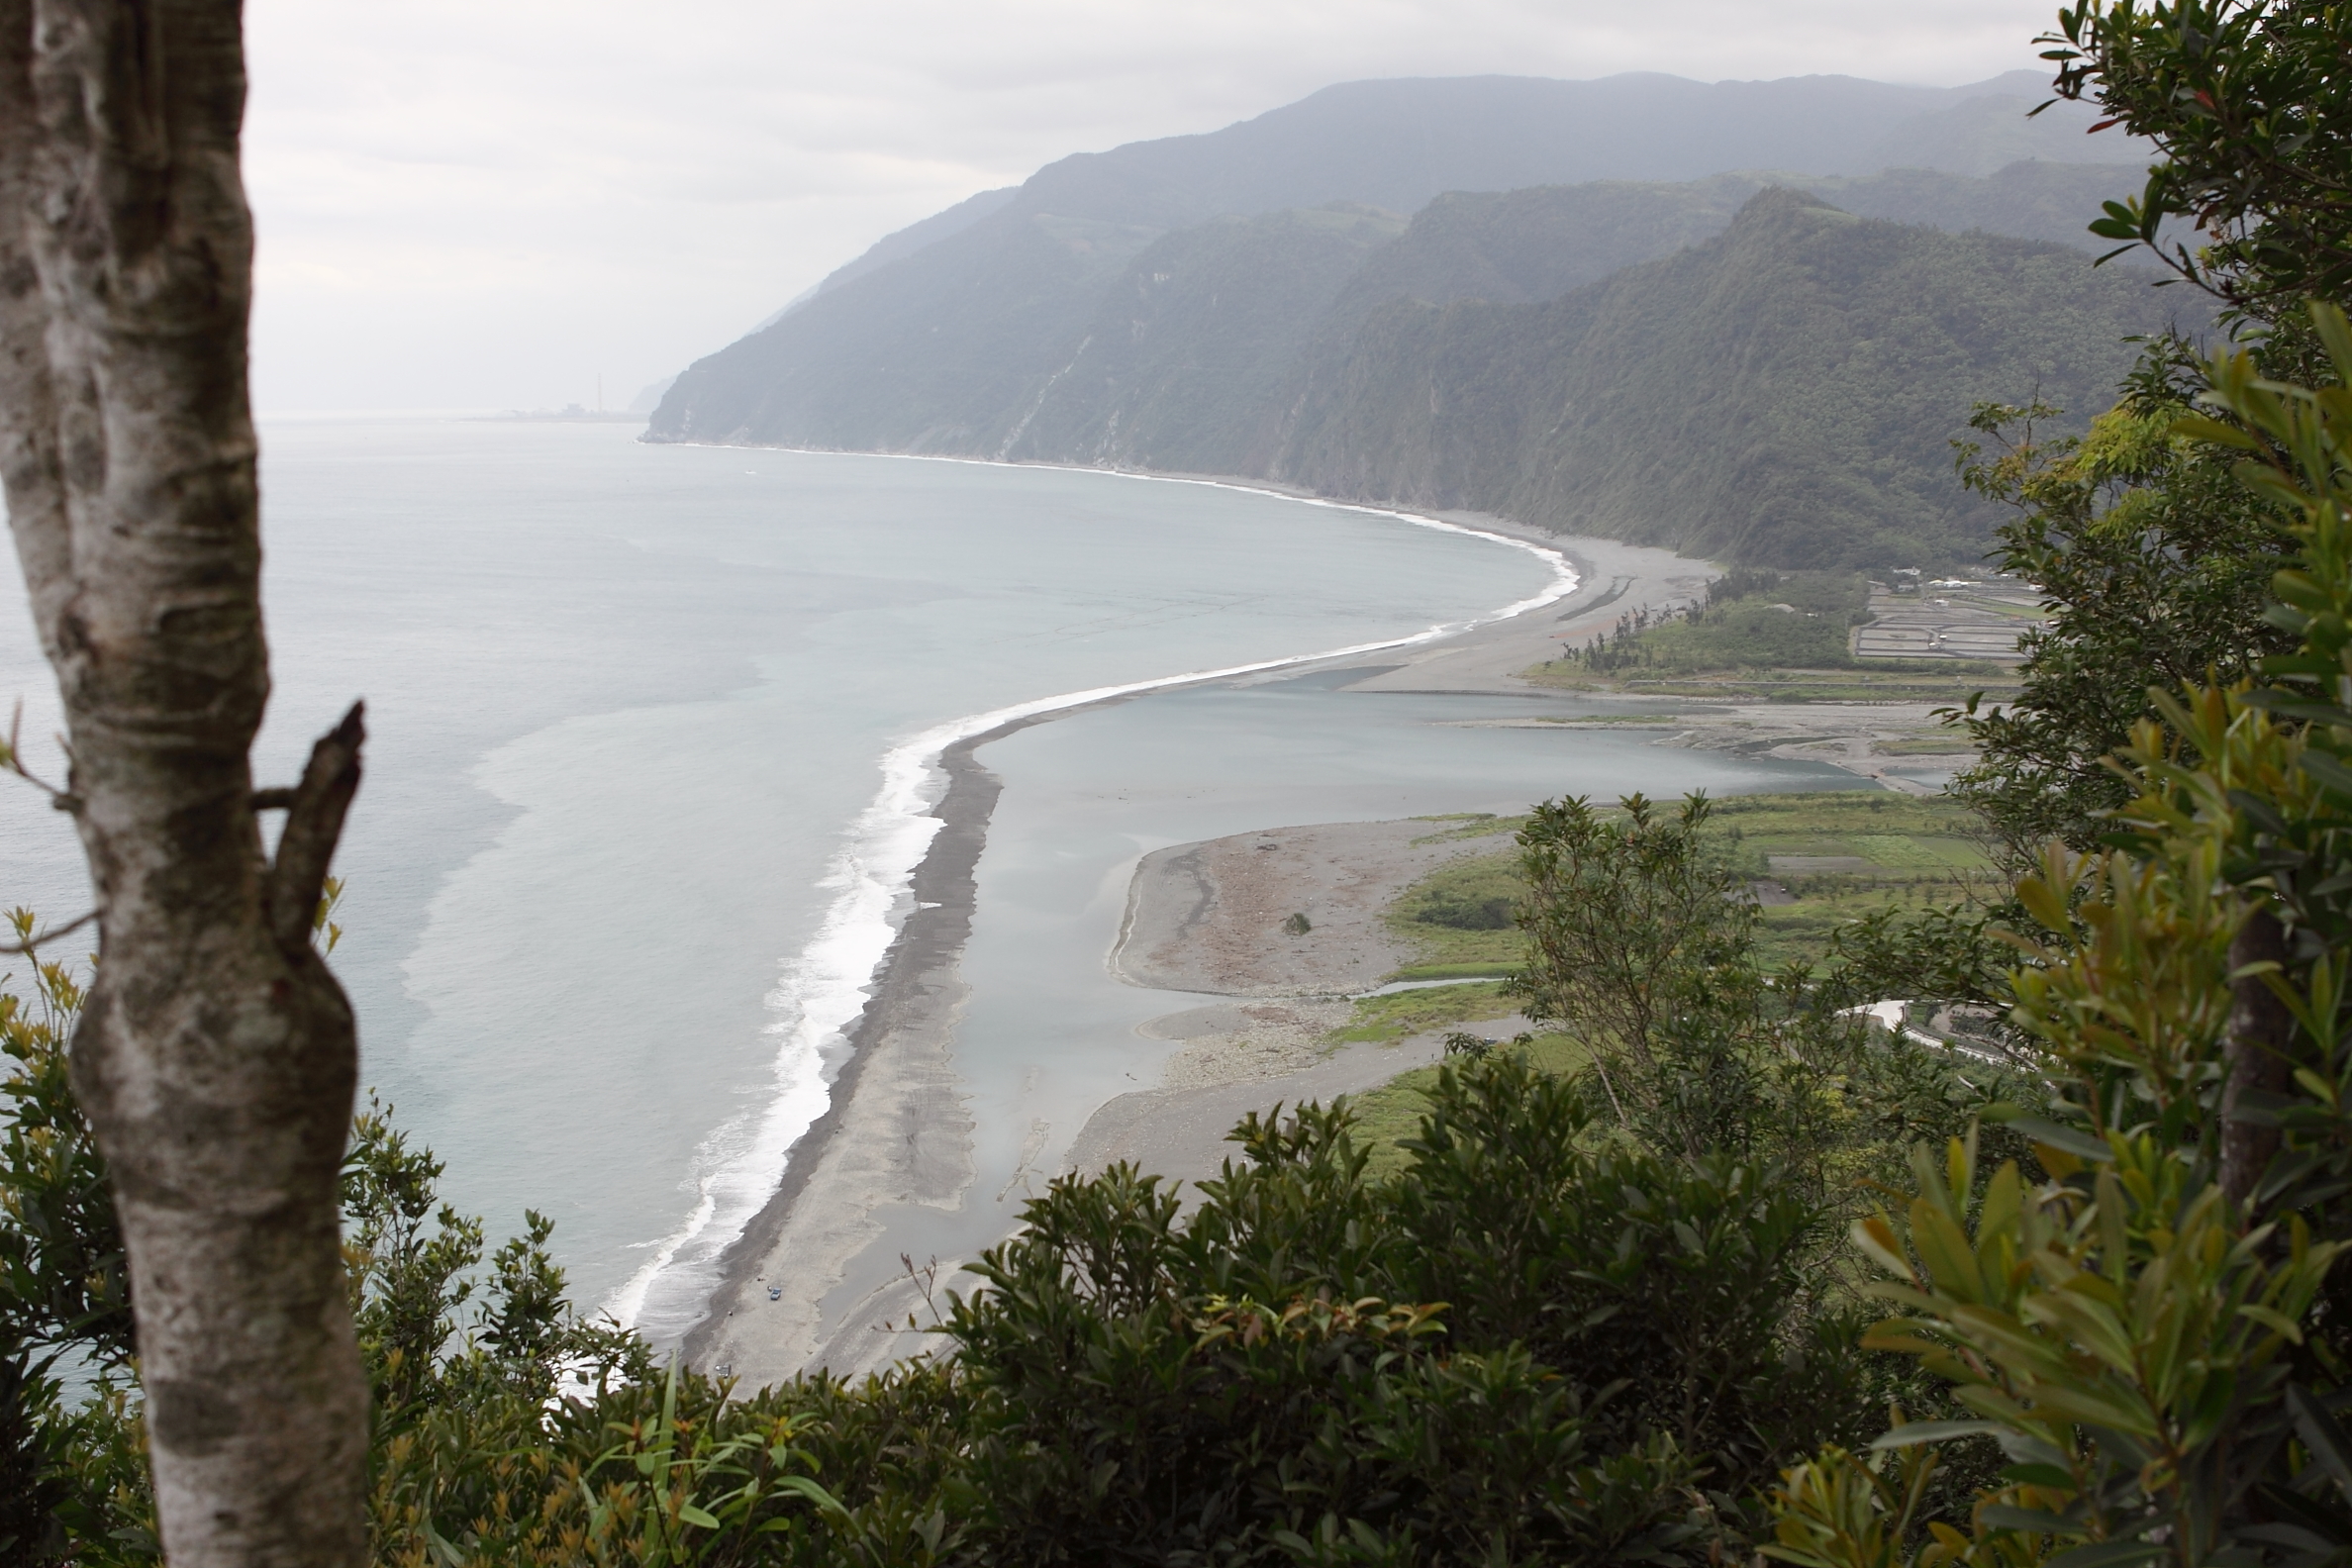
914, 995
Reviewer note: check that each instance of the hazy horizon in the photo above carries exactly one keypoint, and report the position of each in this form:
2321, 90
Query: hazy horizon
469, 210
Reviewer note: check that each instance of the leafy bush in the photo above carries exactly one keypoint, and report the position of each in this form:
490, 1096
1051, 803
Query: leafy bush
1463, 912
1538, 1341
1241, 1385
2156, 1334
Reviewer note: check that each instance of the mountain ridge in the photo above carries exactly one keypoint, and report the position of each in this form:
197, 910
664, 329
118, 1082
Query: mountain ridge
1094, 315
1397, 144
1783, 394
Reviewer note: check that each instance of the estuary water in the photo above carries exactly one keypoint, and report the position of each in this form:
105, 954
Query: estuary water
648, 727
1049, 1035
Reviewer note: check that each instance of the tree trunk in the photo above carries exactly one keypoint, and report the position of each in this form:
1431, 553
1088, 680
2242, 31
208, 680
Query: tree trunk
215, 1056
2261, 1030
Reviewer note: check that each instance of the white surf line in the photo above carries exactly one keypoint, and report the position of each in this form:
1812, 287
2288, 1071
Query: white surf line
1243, 487
835, 975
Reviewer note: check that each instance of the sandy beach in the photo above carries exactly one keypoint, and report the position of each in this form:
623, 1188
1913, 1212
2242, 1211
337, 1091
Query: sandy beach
897, 1131
1614, 580
1206, 919
1210, 917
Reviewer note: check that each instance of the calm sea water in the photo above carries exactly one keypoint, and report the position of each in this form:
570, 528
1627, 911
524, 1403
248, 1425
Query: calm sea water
647, 727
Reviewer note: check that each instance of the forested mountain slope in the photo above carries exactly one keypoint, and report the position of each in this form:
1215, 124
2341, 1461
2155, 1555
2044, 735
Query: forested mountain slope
941, 336
1782, 390
1253, 302
1199, 358
1785, 393
1397, 144
1184, 358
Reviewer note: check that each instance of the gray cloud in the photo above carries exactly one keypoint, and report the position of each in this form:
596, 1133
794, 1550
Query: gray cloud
469, 204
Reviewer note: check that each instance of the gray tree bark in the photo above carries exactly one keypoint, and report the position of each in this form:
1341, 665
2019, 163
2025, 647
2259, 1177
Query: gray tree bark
217, 1055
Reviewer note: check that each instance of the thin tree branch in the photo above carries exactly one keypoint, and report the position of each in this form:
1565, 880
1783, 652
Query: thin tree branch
314, 825
12, 760
25, 948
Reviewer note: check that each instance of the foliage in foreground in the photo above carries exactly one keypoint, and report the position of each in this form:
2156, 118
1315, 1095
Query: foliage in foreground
1586, 1320
2157, 1335
1531, 1345
1561, 1330
2157, 563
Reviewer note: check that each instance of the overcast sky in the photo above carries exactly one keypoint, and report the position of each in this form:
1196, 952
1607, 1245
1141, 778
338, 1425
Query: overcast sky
490, 203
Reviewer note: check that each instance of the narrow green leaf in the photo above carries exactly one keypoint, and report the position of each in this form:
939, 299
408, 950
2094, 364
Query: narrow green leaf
2005, 1515
2330, 773
2072, 1140
2106, 1554
2330, 1450
1912, 1433
2277, 1322
803, 1487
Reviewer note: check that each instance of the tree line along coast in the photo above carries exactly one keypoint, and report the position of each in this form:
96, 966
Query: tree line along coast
1681, 1248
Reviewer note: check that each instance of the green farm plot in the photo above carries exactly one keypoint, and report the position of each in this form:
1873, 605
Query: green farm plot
1946, 744
1847, 854
1889, 681
1841, 854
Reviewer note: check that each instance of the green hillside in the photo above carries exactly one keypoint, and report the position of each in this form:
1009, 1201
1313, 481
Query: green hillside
2026, 200
1727, 365
948, 335
1524, 246
1783, 394
1186, 352
1200, 357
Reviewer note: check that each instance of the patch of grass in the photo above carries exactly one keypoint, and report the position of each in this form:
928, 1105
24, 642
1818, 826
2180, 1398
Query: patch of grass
1914, 851
1394, 1016
1469, 824
1895, 833
1926, 745
1389, 1115
1787, 932
1917, 850
1432, 915
1392, 1113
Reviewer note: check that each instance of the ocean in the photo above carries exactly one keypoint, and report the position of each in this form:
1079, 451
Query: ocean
650, 741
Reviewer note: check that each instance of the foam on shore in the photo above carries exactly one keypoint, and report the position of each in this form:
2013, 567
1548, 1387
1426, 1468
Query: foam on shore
824, 989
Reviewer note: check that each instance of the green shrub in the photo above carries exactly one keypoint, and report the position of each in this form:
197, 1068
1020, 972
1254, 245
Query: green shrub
1464, 912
